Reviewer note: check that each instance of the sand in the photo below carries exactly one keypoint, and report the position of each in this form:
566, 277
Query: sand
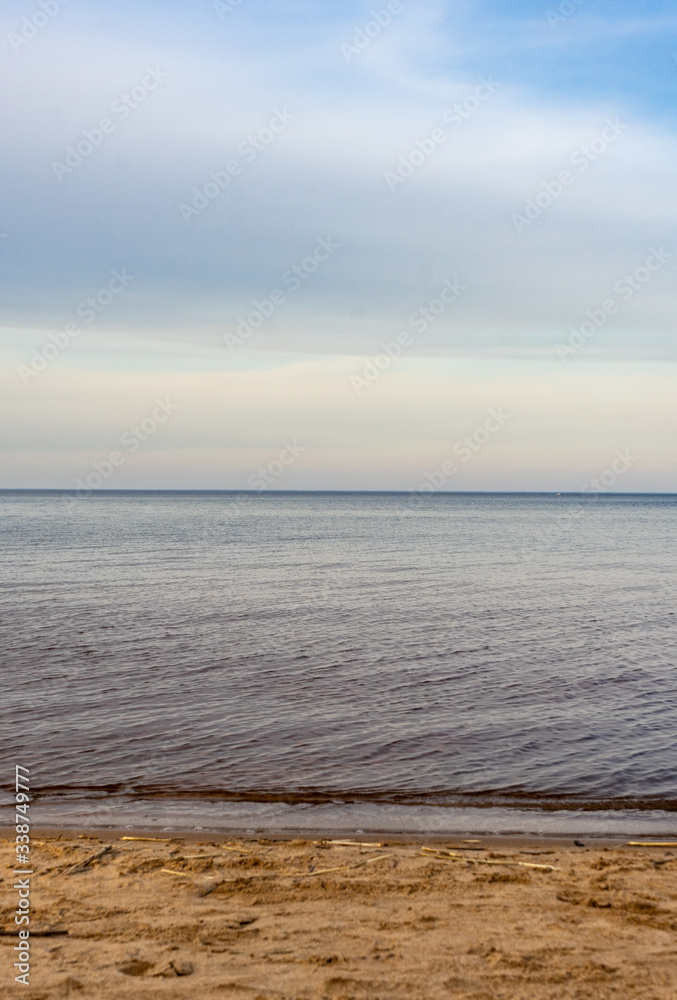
260, 919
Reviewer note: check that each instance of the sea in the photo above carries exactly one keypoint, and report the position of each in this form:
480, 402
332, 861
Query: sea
269, 662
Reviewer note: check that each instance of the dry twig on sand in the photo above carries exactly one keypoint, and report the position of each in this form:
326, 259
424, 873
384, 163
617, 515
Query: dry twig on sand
149, 838
446, 855
652, 843
351, 843
80, 866
266, 875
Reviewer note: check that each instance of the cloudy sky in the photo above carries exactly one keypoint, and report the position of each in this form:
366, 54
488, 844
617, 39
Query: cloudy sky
352, 235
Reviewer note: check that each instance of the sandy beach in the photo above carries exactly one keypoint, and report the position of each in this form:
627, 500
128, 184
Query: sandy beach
199, 916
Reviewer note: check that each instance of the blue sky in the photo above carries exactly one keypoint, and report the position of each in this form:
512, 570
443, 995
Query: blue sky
518, 96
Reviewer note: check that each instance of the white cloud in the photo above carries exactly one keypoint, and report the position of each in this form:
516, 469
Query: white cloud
324, 175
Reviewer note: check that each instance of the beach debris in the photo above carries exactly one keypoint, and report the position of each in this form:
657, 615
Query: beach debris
579, 843
170, 871
351, 843
428, 851
267, 875
148, 838
177, 967
342, 868
175, 856
242, 850
81, 866
652, 843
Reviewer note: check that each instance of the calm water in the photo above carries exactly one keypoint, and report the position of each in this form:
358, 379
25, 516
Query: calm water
214, 658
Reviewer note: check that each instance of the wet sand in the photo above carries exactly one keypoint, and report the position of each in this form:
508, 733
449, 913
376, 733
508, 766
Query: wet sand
202, 916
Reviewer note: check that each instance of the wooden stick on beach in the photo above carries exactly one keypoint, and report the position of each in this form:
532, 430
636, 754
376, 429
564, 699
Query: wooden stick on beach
149, 838
264, 875
429, 851
652, 843
81, 865
351, 843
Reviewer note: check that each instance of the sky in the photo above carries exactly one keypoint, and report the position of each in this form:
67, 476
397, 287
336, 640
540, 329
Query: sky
304, 244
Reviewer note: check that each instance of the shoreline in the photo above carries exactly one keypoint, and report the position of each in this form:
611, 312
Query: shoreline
179, 915
181, 816
515, 840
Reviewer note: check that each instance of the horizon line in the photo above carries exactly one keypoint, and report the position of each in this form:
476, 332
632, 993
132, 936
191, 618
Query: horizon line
419, 493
